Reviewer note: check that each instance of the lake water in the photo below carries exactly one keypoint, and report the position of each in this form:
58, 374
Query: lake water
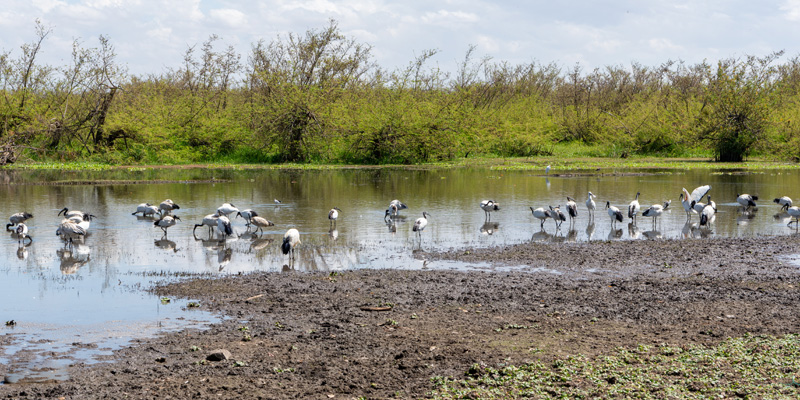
63, 298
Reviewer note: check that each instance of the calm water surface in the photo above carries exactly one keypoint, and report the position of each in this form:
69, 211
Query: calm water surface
91, 293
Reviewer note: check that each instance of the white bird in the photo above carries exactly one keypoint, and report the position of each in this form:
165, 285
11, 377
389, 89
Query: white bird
557, 215
210, 221
794, 212
18, 218
547, 170
166, 222
290, 240
227, 209
541, 214
421, 223
260, 223
277, 201
247, 215
590, 205
711, 203
654, 211
634, 207
707, 215
333, 215
785, 202
488, 206
22, 233
698, 206
167, 206
614, 213
395, 206
696, 196
83, 221
572, 208
69, 230
146, 209
746, 200
224, 224
68, 214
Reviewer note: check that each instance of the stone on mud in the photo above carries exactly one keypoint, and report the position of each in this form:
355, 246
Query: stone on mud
219, 355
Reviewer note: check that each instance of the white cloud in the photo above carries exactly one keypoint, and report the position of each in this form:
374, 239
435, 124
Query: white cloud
230, 17
159, 34
791, 9
663, 44
448, 18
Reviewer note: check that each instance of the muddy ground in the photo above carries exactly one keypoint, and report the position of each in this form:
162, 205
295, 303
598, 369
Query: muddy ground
312, 335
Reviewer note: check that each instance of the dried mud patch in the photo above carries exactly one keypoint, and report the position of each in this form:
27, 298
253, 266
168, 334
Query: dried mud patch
305, 335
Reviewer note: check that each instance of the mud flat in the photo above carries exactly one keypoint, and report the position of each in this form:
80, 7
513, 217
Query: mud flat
385, 333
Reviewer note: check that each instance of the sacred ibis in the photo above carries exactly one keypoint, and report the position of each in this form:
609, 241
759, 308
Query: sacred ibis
18, 218
227, 209
421, 223
166, 222
614, 213
22, 233
634, 207
572, 209
290, 240
260, 223
541, 214
557, 215
794, 212
785, 202
146, 209
167, 206
210, 221
488, 206
746, 201
333, 215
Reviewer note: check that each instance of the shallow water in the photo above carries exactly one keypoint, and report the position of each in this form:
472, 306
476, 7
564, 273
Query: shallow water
90, 293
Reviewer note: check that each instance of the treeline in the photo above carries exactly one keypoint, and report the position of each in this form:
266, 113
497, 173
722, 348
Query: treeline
320, 97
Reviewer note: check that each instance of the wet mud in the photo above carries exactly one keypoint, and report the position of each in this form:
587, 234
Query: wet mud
386, 333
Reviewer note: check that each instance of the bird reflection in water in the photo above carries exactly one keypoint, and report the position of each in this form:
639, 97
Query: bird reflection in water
333, 234
489, 228
166, 244
572, 235
224, 257
590, 230
73, 257
633, 231
258, 244
652, 234
541, 236
615, 234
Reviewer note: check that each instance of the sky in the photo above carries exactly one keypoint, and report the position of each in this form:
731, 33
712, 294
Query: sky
151, 36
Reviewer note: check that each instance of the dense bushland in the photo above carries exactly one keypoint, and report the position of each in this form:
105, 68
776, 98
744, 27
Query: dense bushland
320, 97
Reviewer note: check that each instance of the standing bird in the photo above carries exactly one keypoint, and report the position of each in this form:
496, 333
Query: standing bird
557, 215
83, 221
590, 205
166, 221
572, 209
711, 203
655, 211
746, 200
421, 223
290, 240
395, 206
224, 224
541, 214
707, 215
785, 202
260, 223
18, 218
488, 206
794, 212
146, 209
69, 214
696, 196
69, 230
333, 215
634, 208
167, 206
276, 201
210, 221
614, 213
227, 209
247, 215
547, 170
22, 233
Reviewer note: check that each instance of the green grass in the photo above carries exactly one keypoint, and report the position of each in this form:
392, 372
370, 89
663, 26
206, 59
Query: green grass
752, 367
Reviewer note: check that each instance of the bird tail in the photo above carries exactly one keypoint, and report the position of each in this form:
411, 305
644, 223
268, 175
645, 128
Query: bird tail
630, 211
755, 197
703, 219
286, 246
619, 216
228, 229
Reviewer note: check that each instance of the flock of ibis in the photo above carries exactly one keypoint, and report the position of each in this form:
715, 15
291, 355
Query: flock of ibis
75, 224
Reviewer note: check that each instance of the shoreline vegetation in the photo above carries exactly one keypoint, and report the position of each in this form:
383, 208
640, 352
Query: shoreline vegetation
319, 98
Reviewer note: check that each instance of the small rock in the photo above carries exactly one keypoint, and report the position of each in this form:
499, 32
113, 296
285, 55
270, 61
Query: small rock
219, 355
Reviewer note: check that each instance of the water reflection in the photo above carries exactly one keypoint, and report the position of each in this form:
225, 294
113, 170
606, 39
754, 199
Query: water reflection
166, 244
615, 234
489, 228
73, 258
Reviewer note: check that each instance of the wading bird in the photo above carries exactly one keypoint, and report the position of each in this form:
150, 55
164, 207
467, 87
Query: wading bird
572, 209
69, 214
83, 221
590, 205
395, 206
547, 170
69, 230
166, 222
696, 196
488, 206
290, 240
247, 215
746, 201
146, 209
18, 218
785, 202
794, 212
634, 208
557, 215
707, 215
711, 203
260, 223
614, 213
541, 214
167, 206
333, 215
224, 224
655, 211
227, 209
421, 223
22, 233
210, 221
